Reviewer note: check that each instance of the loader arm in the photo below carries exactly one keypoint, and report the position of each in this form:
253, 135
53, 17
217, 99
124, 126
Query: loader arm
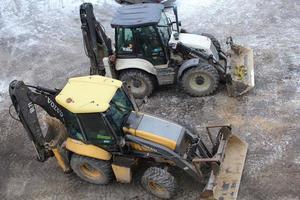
97, 44
24, 99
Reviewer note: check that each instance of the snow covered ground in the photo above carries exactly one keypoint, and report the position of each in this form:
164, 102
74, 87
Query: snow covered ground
41, 43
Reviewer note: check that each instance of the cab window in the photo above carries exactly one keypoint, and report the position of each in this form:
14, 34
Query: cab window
72, 126
164, 29
124, 41
120, 108
95, 129
150, 46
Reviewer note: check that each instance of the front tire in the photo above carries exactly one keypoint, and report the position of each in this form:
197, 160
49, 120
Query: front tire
92, 170
159, 182
200, 81
140, 83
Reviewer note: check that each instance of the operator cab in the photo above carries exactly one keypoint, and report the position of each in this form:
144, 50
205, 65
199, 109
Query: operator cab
97, 108
142, 31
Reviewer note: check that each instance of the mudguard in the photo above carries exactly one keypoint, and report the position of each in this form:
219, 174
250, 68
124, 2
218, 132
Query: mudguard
135, 63
186, 65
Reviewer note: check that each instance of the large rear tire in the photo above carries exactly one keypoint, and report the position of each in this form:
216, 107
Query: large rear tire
214, 40
200, 81
140, 83
92, 170
159, 182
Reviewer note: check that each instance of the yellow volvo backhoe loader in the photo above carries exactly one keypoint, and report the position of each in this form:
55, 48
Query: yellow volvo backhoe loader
97, 131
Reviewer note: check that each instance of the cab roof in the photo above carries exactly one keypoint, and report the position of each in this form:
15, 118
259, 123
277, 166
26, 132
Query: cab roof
137, 15
88, 94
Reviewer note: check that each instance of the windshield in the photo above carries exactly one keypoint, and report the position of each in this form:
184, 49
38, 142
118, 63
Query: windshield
120, 108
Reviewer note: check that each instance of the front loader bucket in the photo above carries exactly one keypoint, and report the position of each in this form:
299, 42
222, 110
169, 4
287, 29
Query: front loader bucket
225, 184
240, 73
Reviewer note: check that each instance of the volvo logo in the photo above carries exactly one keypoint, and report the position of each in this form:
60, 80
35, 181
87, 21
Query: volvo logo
55, 107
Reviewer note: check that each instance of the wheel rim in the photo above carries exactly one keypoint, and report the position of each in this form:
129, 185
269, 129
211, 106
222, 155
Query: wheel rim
200, 82
90, 172
137, 86
156, 188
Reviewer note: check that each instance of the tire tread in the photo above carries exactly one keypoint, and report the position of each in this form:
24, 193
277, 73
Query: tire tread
150, 80
161, 176
206, 68
103, 166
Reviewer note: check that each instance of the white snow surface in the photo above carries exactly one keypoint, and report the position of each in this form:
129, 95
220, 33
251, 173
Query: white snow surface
29, 24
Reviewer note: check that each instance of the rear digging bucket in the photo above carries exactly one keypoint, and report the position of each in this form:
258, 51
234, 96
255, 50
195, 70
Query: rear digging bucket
225, 184
240, 73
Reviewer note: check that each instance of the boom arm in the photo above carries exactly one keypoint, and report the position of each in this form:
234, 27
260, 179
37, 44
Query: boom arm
97, 43
23, 100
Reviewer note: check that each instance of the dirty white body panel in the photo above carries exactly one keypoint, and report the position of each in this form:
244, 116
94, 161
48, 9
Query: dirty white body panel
197, 42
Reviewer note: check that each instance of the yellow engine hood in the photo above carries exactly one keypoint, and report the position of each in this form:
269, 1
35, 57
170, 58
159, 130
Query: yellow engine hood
154, 129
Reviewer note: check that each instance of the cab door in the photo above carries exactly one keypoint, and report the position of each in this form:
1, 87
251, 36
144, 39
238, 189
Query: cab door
149, 45
96, 130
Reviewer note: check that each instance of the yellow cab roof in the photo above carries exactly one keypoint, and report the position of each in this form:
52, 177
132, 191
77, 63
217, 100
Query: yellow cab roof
88, 94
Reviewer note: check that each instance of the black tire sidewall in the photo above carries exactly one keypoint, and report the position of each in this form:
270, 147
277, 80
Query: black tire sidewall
209, 71
162, 178
103, 166
146, 78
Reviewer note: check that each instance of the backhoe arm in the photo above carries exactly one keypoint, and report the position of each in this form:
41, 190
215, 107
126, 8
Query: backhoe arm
23, 100
97, 43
